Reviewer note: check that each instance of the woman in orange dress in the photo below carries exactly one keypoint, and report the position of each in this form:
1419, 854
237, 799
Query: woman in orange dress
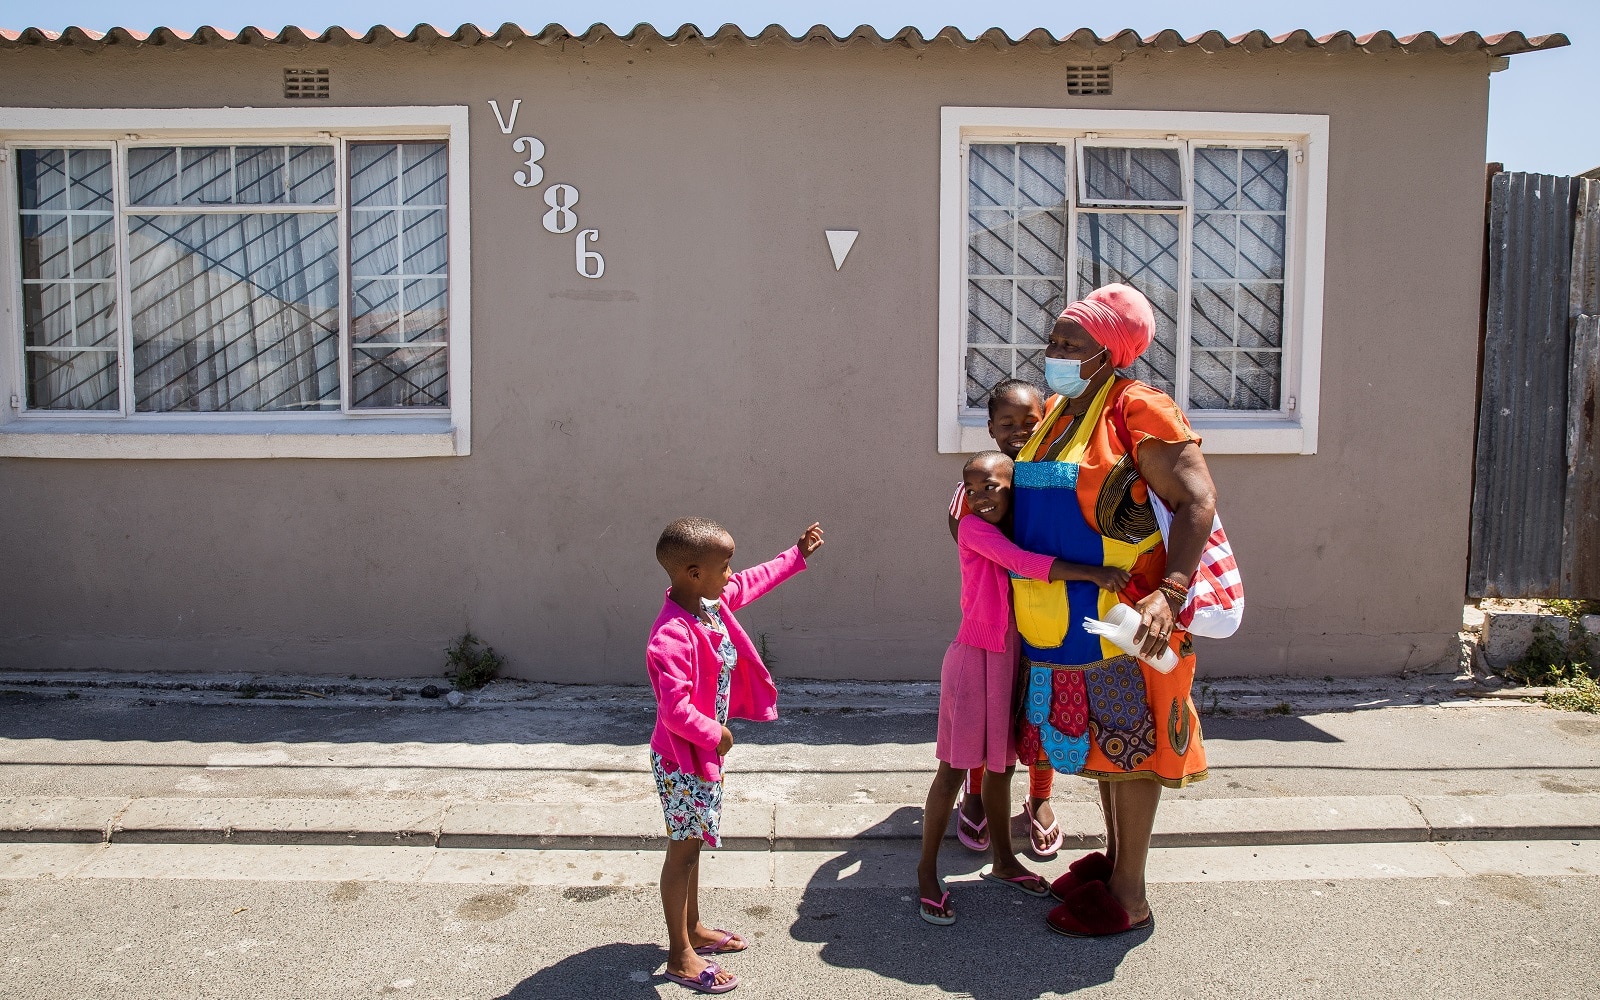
1081, 492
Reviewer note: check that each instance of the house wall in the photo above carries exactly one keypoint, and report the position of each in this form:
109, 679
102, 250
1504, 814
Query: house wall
722, 367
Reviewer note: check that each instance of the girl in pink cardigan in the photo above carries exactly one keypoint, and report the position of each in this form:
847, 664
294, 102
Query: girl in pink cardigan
976, 712
704, 670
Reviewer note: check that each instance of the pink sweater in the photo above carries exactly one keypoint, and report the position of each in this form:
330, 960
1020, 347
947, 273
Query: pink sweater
986, 557
684, 667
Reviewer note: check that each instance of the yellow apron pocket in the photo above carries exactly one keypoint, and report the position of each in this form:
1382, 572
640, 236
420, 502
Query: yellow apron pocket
1041, 609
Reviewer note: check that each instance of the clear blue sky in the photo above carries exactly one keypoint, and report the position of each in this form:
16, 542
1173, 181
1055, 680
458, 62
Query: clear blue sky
1534, 120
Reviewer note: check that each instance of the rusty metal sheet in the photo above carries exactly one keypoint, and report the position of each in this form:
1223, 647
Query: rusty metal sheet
1519, 491
1580, 552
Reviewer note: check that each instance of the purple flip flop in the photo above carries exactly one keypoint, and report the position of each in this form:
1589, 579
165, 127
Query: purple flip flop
721, 947
706, 981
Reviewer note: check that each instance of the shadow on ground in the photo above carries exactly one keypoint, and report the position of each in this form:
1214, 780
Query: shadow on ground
1000, 947
29, 716
580, 975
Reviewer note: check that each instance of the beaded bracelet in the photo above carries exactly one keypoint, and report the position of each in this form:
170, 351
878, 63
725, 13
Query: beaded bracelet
1179, 596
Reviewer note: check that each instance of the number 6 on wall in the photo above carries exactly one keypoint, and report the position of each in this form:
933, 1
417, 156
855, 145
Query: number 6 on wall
590, 263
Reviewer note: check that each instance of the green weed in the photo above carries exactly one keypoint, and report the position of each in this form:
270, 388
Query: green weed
470, 664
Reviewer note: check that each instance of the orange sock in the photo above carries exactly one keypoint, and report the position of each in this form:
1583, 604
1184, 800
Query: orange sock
1040, 778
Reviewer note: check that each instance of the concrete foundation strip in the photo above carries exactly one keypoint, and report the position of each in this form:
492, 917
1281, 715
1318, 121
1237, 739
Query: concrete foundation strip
781, 827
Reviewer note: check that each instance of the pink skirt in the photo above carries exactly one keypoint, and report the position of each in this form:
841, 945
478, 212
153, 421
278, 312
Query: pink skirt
976, 720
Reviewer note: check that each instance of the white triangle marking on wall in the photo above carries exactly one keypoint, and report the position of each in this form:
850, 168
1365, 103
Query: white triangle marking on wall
839, 242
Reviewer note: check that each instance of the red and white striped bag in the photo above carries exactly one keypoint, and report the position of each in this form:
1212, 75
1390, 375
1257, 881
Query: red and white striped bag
1216, 593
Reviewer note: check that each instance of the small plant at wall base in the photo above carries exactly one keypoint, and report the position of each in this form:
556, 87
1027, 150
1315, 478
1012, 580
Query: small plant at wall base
1569, 668
470, 664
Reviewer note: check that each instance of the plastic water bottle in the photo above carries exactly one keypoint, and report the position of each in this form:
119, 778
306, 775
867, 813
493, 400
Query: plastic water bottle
1120, 625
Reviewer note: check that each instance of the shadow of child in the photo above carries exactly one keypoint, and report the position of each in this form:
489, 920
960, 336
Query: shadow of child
606, 971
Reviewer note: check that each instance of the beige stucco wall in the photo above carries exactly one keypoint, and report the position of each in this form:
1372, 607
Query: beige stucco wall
722, 367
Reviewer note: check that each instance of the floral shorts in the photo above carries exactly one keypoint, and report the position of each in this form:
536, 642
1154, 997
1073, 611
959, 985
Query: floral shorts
692, 805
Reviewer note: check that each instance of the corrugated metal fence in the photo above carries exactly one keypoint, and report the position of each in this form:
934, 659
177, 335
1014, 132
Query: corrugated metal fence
1536, 494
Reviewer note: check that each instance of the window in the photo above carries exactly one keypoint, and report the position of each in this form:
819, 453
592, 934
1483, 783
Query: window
198, 285
1216, 218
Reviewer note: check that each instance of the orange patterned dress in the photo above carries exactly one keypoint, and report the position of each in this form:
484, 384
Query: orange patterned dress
1088, 708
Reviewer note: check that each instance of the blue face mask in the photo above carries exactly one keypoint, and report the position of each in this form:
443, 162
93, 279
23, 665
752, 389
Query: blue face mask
1066, 376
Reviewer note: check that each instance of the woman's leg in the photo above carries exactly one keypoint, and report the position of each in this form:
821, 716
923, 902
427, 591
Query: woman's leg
935, 817
1133, 804
679, 885
997, 806
1111, 820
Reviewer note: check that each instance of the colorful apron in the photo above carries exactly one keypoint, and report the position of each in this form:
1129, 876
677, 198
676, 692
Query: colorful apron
1082, 693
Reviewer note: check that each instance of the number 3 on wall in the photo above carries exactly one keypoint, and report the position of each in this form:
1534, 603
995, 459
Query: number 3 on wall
590, 263
535, 149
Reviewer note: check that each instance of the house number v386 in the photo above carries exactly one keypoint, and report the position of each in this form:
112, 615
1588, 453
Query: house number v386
562, 198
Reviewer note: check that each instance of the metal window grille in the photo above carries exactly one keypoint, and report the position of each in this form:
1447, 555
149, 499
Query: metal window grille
222, 278
1201, 230
305, 84
1088, 81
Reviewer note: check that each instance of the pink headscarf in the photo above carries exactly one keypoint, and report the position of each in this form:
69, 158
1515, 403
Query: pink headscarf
1119, 318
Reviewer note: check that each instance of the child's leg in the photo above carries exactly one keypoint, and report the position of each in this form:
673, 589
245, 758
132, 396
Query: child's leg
1041, 778
972, 797
679, 885
700, 935
997, 805
935, 818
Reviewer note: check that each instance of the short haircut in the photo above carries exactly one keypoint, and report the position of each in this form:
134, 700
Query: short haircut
688, 539
1013, 388
984, 458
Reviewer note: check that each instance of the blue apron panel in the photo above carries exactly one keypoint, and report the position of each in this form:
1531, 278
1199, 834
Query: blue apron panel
1049, 520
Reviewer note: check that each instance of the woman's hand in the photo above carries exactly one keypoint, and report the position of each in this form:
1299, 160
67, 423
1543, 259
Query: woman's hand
726, 743
1155, 624
811, 539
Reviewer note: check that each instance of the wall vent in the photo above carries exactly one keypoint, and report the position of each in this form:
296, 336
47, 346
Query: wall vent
305, 84
1088, 81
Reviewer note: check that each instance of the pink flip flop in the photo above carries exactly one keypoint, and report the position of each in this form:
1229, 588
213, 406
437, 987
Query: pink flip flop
721, 947
1030, 884
978, 839
1051, 834
941, 904
706, 981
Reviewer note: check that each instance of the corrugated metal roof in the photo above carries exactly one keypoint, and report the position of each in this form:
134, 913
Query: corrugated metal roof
1504, 44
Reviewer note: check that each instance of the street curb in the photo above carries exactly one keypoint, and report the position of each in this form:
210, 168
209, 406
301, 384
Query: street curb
776, 828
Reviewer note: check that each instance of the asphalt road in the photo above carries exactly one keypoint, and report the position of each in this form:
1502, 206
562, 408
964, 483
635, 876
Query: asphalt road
287, 931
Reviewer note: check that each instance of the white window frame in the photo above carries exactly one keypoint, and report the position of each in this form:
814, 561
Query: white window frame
1290, 430
348, 433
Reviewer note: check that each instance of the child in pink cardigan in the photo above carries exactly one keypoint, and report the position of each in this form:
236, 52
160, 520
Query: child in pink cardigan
976, 713
704, 670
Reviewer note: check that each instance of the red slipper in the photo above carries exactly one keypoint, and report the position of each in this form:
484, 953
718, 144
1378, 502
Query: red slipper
1089, 868
1093, 912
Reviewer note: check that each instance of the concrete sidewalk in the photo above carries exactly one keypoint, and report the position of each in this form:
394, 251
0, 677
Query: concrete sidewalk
183, 759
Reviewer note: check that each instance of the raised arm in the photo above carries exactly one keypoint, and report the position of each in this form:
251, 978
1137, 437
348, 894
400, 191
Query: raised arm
748, 585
